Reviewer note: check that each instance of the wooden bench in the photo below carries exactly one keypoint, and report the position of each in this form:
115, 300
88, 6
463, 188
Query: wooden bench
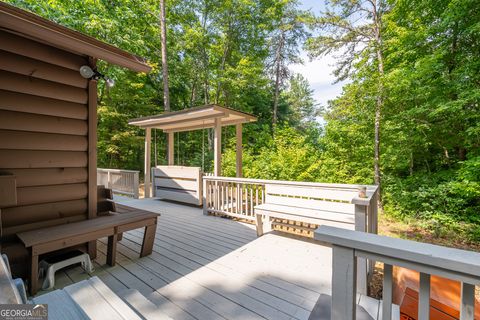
308, 204
50, 239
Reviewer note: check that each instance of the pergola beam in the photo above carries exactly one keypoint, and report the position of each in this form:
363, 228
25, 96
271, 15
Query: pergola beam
205, 126
217, 148
172, 124
171, 148
238, 149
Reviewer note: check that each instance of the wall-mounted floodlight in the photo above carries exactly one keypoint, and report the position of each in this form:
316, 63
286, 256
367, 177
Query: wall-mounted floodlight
88, 73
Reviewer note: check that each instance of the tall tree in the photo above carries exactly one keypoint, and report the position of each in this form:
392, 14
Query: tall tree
286, 40
163, 35
301, 108
355, 28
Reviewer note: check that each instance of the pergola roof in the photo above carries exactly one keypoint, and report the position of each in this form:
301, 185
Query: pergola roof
194, 118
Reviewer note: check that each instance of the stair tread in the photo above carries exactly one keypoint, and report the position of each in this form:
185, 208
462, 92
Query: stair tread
142, 305
61, 306
99, 302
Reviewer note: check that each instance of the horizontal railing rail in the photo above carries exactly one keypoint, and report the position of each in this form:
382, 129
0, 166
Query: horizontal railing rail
427, 259
124, 182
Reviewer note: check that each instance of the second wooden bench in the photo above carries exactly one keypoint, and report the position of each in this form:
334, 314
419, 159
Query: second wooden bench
310, 204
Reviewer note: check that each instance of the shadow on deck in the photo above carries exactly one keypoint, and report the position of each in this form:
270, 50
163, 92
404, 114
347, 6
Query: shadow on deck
205, 267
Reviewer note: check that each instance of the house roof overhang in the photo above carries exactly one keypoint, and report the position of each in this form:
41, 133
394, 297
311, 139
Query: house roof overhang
22, 22
194, 118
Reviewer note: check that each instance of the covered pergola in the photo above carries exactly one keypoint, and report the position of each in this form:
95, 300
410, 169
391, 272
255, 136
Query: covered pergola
197, 118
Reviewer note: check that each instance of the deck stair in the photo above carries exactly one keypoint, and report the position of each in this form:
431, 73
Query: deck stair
92, 299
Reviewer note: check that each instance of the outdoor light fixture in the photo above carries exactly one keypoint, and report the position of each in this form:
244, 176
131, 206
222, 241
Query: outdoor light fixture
89, 73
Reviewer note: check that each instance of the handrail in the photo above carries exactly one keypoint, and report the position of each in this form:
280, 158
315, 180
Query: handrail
371, 189
426, 258
125, 182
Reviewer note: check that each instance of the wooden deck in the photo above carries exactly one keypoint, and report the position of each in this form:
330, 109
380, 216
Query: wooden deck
205, 267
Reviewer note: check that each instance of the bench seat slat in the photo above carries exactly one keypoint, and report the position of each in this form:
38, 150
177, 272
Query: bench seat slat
340, 207
301, 214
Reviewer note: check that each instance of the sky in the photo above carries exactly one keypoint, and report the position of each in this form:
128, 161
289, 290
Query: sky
319, 72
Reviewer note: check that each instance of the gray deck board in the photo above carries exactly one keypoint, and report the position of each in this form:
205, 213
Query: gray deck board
205, 267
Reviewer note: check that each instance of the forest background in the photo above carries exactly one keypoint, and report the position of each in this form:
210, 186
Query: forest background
408, 117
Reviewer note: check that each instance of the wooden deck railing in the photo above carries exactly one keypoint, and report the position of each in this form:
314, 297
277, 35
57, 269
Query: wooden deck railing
427, 259
125, 182
237, 197
234, 197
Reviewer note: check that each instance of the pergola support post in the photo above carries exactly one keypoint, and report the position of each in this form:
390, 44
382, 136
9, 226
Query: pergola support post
171, 148
217, 148
239, 137
148, 138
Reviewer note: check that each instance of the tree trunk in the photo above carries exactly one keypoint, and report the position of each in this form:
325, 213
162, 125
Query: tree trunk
278, 75
379, 105
163, 34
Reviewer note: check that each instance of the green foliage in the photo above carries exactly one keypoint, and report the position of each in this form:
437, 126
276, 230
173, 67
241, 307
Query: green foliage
223, 51
445, 201
430, 123
219, 51
288, 155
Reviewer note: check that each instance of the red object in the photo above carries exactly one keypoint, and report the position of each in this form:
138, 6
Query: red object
438, 311
445, 296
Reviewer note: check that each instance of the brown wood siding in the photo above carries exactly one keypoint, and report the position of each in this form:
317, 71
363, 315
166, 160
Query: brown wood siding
21, 140
44, 137
11, 120
41, 70
49, 176
47, 194
19, 83
20, 102
55, 210
39, 51
8, 231
22, 159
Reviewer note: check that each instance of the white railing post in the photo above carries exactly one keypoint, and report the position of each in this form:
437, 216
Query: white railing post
387, 292
205, 196
108, 180
136, 188
467, 310
424, 297
344, 279
362, 270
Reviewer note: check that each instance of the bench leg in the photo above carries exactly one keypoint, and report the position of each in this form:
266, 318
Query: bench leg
148, 239
112, 250
92, 249
33, 274
267, 224
259, 224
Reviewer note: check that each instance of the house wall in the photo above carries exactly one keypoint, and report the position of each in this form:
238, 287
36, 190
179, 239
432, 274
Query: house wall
45, 123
